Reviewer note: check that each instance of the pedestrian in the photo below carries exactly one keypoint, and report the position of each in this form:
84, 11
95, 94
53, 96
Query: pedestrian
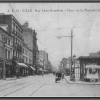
62, 75
38, 73
17, 73
58, 76
53, 73
42, 73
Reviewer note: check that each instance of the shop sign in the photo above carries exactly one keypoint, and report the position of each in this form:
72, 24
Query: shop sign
8, 62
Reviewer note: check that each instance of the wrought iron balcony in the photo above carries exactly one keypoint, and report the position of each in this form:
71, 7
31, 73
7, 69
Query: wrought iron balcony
18, 59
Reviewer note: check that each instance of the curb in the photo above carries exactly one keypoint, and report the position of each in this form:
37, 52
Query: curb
79, 83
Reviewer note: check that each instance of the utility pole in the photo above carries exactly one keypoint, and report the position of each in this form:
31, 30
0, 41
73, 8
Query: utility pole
59, 37
71, 53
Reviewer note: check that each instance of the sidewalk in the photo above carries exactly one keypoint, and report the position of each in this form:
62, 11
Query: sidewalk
12, 78
67, 78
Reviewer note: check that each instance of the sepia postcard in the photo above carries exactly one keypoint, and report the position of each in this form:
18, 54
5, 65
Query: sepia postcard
49, 49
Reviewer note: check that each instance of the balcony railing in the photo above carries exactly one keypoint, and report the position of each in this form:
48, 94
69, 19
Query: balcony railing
18, 59
14, 32
18, 47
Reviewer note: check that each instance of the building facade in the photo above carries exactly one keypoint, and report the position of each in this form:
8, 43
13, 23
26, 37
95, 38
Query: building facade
40, 60
30, 39
27, 56
15, 31
45, 59
5, 53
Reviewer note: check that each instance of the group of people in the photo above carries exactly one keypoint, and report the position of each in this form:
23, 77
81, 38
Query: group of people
40, 73
59, 75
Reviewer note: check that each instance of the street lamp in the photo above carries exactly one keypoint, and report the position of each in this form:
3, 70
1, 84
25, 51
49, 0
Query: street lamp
74, 67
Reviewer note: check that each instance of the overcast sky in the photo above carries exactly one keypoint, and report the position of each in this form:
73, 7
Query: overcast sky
84, 17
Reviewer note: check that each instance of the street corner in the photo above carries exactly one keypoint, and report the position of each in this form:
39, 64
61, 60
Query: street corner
77, 81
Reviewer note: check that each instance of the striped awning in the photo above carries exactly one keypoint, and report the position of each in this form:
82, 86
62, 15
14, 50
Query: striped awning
32, 68
22, 65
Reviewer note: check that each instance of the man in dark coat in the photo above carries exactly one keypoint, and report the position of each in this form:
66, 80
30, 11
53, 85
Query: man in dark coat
58, 76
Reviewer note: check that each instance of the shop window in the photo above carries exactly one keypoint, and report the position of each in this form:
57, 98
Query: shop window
23, 50
1, 36
92, 71
6, 40
16, 29
14, 53
14, 39
19, 55
9, 42
8, 54
1, 51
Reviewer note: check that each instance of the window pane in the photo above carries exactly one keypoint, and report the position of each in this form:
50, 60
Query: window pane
8, 54
9, 42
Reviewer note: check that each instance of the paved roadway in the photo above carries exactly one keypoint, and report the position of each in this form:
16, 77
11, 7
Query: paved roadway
45, 86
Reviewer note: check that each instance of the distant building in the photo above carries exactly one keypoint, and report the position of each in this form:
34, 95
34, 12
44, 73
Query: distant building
40, 60
27, 56
45, 58
64, 63
50, 67
95, 54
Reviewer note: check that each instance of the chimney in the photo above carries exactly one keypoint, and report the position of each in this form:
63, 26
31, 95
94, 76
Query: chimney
26, 24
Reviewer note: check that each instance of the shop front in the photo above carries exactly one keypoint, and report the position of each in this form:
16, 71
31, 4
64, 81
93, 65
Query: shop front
32, 70
1, 68
8, 68
22, 69
89, 68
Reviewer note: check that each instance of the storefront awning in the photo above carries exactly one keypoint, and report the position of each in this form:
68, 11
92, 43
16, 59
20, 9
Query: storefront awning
22, 65
32, 68
45, 70
40, 69
93, 66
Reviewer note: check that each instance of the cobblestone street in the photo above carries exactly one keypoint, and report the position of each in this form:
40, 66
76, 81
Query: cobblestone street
45, 86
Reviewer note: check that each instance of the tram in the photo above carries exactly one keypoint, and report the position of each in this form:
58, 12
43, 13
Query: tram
92, 73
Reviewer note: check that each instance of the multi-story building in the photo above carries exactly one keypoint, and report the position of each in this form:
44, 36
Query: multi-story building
15, 31
95, 54
64, 63
5, 52
50, 67
30, 39
45, 59
27, 56
40, 60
